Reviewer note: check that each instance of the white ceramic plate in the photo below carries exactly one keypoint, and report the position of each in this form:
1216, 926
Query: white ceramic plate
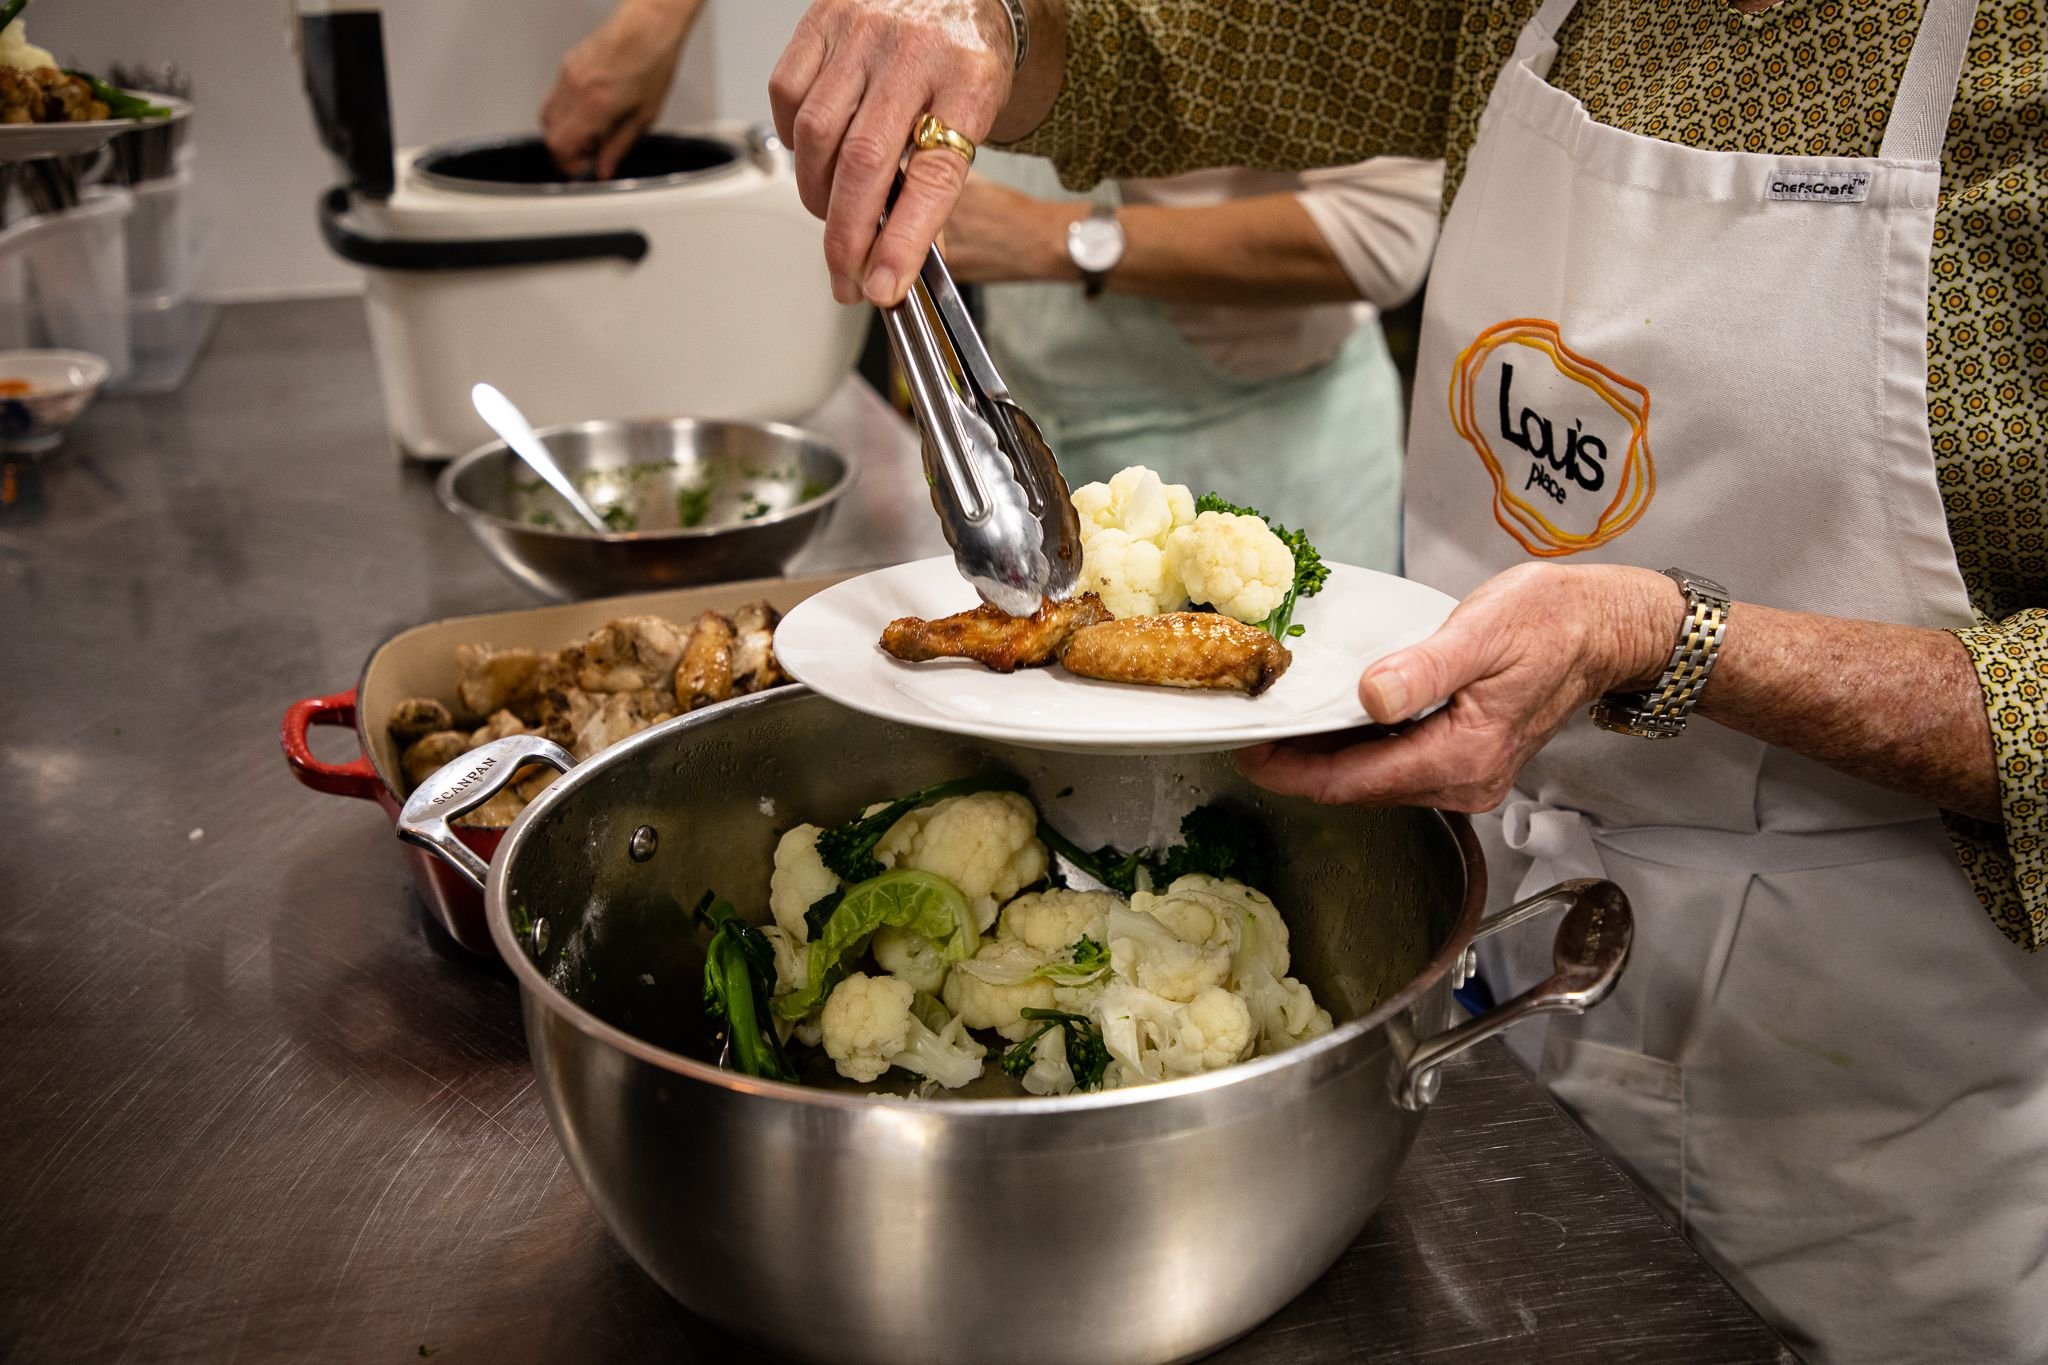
830, 644
28, 141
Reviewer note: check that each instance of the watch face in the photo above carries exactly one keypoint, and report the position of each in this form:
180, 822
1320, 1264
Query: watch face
1096, 244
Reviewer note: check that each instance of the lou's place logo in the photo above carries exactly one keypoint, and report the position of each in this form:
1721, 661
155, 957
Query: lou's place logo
1564, 439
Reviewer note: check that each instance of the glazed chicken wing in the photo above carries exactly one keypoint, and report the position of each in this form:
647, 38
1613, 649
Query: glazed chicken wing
704, 675
1196, 649
754, 668
992, 637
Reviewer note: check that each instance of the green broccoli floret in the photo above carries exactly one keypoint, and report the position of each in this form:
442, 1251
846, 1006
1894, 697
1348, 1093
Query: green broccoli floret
1217, 840
739, 972
849, 849
1087, 1054
1310, 573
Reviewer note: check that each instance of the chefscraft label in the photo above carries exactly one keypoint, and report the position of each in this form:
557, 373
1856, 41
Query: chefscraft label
1818, 187
1564, 439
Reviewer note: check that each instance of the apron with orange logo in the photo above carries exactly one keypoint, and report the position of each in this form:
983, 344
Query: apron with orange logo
1824, 1060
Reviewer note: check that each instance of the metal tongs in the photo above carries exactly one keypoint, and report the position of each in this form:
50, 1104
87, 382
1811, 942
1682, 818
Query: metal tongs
995, 482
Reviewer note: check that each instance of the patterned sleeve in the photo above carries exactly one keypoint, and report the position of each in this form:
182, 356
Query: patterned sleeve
1157, 87
2009, 867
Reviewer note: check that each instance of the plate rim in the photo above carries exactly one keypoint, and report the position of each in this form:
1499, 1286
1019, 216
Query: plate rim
1211, 740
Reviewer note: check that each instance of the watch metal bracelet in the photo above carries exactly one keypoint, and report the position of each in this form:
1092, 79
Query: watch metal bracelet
1020, 33
1662, 712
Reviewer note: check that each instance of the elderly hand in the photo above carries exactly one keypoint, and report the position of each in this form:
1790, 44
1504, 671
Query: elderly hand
1517, 658
847, 93
611, 85
998, 235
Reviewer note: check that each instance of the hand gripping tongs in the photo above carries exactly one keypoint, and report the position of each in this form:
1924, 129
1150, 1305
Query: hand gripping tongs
995, 483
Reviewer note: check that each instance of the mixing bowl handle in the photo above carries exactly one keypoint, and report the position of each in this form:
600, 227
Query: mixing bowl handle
466, 783
1591, 948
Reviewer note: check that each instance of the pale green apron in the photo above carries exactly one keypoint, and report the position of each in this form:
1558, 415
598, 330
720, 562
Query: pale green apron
1113, 383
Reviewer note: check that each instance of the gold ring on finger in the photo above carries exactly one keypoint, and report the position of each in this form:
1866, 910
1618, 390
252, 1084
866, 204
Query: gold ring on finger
932, 133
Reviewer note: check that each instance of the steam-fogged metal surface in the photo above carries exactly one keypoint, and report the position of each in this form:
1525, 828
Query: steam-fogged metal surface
258, 1109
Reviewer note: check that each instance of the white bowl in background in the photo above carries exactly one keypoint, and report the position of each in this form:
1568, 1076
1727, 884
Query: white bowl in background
61, 384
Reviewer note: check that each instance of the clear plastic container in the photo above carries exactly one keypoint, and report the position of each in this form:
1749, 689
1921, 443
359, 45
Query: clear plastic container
76, 268
166, 333
160, 234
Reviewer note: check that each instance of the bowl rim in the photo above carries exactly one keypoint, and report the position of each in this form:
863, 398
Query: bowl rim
444, 485
537, 990
97, 369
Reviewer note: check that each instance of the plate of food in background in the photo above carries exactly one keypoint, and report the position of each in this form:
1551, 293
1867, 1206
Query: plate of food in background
1200, 626
46, 110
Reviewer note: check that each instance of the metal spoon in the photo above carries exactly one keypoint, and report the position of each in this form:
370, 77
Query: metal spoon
502, 416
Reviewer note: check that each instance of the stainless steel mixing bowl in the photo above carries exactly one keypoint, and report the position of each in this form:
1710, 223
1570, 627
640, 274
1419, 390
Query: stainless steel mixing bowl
695, 502
1143, 1225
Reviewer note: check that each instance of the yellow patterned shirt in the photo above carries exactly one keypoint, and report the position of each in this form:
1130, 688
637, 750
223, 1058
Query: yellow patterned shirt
1155, 87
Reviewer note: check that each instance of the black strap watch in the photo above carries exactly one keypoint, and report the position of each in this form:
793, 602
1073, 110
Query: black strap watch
1662, 712
1095, 245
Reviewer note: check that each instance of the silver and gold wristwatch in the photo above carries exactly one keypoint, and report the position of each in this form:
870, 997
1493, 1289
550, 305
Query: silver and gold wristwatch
1662, 711
1095, 245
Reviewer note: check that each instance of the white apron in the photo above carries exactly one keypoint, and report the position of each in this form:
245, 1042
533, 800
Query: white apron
1112, 382
1824, 1059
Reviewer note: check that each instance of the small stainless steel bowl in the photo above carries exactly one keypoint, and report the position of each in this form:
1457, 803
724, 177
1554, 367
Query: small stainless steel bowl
696, 502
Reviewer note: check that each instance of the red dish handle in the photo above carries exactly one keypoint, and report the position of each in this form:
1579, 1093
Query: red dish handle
356, 779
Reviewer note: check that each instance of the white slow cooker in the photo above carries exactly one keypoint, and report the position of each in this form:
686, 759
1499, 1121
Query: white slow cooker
692, 285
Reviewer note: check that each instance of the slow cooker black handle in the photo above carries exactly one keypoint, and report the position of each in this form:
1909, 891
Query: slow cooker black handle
468, 253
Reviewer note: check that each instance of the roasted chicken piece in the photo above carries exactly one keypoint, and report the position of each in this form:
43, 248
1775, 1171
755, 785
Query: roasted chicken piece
754, 668
417, 716
619, 715
992, 637
1199, 649
629, 654
491, 680
429, 753
705, 674
500, 725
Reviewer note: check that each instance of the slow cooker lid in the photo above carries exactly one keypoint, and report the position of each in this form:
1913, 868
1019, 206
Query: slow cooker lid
522, 165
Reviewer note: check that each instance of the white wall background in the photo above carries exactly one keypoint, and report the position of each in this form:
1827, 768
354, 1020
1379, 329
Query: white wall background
458, 68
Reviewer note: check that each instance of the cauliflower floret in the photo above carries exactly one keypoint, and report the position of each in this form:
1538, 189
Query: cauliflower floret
1284, 1010
1213, 1030
1233, 562
986, 844
799, 881
792, 963
1049, 1073
984, 1004
1137, 502
1157, 1038
1132, 577
1219, 912
913, 957
792, 972
1051, 921
1125, 526
1144, 951
869, 1027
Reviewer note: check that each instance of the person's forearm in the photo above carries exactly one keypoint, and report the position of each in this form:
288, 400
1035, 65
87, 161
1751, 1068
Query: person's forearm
1038, 81
1899, 706
672, 20
1263, 251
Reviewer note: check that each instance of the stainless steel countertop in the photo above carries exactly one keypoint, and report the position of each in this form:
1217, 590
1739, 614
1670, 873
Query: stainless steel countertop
257, 1109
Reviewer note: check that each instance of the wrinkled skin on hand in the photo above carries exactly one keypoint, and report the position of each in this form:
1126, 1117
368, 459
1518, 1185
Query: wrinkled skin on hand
611, 86
1517, 659
848, 92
